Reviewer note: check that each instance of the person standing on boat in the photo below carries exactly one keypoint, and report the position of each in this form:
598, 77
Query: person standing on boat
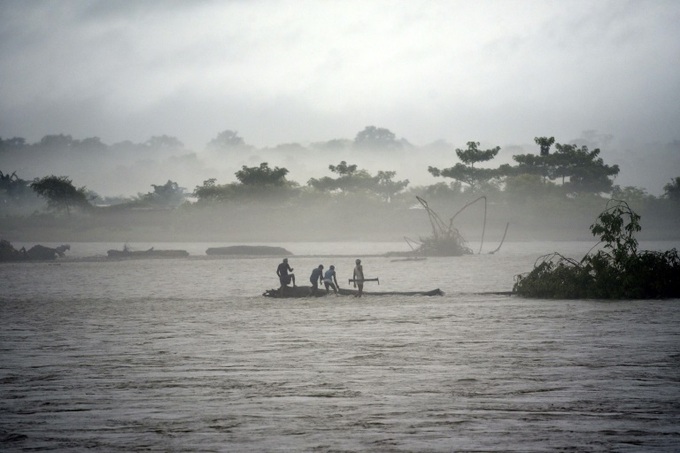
358, 277
316, 278
284, 277
330, 280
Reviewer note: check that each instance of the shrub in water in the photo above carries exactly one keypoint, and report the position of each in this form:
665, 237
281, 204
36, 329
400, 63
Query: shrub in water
618, 271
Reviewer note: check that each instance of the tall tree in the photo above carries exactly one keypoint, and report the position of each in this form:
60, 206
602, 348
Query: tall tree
12, 143
531, 164
169, 194
377, 138
56, 142
164, 142
387, 187
586, 171
60, 193
467, 172
12, 187
545, 143
350, 179
262, 175
580, 170
227, 140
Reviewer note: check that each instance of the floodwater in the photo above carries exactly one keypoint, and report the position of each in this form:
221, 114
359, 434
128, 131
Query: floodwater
186, 355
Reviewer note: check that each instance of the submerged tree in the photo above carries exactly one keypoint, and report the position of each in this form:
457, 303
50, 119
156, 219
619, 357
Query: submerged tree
618, 271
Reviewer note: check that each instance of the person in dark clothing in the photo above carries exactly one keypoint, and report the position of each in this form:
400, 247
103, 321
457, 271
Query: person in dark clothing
284, 277
316, 278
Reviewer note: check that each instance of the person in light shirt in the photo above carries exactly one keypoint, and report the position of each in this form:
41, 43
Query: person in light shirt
358, 277
330, 280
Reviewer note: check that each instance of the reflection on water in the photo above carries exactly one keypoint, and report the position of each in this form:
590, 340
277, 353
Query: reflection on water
185, 355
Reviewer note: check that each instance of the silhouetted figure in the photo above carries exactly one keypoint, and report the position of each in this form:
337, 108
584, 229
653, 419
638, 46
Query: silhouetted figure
358, 277
316, 278
284, 277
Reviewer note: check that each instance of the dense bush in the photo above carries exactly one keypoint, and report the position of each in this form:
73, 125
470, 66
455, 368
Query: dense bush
618, 271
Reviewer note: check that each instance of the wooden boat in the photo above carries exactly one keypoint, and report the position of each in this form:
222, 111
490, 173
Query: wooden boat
150, 253
305, 291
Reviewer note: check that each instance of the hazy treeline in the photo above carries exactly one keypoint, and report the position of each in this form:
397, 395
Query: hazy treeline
554, 192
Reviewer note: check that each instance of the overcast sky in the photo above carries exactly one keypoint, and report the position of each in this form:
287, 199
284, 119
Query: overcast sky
500, 72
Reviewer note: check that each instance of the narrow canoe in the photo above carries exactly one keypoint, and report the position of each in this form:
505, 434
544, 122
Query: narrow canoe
305, 291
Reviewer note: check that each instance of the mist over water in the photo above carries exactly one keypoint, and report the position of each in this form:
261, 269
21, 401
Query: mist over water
185, 354
118, 171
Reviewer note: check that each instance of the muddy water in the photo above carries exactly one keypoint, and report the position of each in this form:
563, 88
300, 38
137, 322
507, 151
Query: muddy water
185, 355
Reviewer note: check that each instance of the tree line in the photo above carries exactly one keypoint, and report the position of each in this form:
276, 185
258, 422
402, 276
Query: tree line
566, 172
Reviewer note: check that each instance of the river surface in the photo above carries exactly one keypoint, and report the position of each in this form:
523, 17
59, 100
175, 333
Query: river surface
186, 355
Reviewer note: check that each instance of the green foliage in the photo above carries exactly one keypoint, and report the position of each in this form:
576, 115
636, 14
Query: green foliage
579, 169
209, 191
164, 142
13, 189
473, 154
261, 182
169, 194
616, 226
528, 187
337, 144
672, 190
353, 180
377, 138
386, 187
630, 194
586, 171
439, 191
226, 140
60, 193
545, 143
12, 143
466, 172
618, 271
262, 175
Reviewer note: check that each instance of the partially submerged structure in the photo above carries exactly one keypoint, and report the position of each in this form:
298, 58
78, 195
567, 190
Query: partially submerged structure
446, 240
35, 253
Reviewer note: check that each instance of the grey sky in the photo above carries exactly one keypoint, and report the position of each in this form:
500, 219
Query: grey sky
500, 72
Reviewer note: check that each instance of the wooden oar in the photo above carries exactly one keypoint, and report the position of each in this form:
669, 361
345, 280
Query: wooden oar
351, 280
